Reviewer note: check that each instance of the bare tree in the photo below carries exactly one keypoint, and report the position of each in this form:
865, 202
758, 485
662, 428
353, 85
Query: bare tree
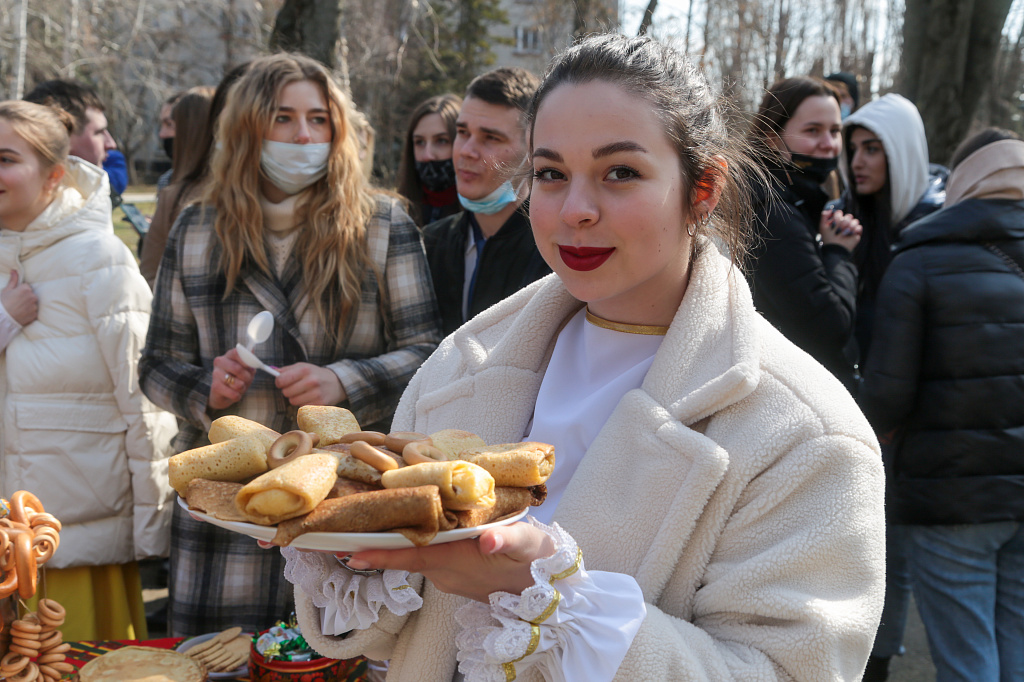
949, 49
312, 27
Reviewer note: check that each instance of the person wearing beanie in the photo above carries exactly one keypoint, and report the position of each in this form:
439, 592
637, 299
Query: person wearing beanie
849, 93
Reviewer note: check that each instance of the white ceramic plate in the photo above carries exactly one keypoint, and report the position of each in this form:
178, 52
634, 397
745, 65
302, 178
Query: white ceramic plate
241, 671
347, 542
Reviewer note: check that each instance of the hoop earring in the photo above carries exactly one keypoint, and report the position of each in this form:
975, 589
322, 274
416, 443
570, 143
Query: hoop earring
691, 229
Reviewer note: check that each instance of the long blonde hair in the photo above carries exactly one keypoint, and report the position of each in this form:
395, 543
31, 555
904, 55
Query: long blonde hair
331, 246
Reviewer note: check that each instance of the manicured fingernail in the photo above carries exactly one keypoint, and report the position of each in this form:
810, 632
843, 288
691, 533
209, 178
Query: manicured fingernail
358, 564
499, 542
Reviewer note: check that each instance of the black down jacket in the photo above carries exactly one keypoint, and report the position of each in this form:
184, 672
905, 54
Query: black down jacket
946, 367
806, 290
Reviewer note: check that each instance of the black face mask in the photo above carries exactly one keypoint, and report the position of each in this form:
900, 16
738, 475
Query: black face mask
813, 167
436, 176
168, 143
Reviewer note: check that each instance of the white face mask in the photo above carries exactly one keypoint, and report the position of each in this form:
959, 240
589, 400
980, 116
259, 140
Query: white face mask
294, 167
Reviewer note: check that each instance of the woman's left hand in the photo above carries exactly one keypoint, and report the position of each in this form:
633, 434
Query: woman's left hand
306, 384
499, 560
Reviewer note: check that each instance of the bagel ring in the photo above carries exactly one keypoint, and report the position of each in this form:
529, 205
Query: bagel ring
9, 585
55, 638
12, 664
371, 437
44, 547
25, 565
50, 612
422, 452
397, 440
9, 524
289, 446
27, 627
6, 552
45, 519
29, 673
22, 503
365, 452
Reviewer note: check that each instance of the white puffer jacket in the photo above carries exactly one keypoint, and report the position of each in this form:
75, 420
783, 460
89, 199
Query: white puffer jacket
76, 430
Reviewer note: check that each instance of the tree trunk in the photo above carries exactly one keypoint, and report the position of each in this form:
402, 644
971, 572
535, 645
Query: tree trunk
949, 48
645, 23
312, 27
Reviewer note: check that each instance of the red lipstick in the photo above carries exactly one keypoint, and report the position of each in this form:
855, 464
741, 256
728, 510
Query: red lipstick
584, 258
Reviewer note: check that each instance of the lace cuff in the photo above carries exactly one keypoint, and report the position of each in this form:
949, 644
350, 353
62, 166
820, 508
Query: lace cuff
347, 601
574, 624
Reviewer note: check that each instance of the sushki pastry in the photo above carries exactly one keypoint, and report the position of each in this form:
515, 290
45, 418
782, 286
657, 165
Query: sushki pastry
330, 476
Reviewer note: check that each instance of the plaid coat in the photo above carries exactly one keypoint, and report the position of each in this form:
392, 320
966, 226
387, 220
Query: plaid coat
218, 578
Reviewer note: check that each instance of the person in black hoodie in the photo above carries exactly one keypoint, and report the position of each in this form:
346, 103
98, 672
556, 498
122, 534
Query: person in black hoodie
801, 272
945, 375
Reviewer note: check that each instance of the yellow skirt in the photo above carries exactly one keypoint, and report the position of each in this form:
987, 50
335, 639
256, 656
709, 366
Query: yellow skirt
102, 602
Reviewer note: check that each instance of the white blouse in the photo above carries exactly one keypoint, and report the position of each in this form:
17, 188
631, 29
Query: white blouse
591, 368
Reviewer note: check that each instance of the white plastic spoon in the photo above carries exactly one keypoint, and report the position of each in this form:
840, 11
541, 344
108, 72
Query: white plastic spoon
257, 331
259, 328
249, 358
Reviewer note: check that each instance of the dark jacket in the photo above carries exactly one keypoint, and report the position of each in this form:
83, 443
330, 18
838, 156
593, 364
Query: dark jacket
946, 368
878, 250
805, 289
509, 262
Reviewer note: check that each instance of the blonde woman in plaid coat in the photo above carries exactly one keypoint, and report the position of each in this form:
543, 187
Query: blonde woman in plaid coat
290, 226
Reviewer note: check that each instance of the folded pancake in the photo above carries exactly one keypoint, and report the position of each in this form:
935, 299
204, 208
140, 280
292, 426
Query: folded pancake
462, 485
507, 501
290, 490
344, 486
232, 426
231, 460
415, 512
453, 441
327, 421
216, 498
517, 465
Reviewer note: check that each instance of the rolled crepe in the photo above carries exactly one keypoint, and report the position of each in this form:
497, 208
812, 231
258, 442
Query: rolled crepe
517, 465
290, 490
326, 421
231, 460
507, 501
453, 441
415, 512
216, 498
462, 485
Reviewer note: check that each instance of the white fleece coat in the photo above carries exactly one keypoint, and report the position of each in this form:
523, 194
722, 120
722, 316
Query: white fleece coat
740, 486
77, 431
